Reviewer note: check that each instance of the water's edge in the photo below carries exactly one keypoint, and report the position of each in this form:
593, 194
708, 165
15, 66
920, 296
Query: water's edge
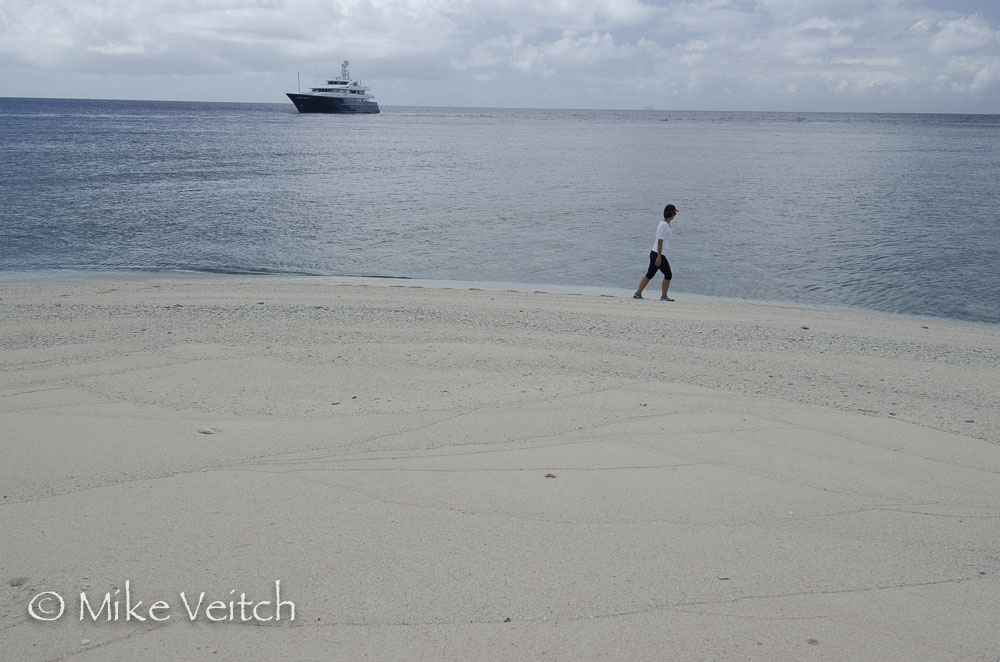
141, 277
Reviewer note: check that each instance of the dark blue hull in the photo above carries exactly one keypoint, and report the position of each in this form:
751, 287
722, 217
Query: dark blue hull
312, 103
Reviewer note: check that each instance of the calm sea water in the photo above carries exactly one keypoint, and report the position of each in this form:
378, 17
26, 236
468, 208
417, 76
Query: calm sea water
896, 213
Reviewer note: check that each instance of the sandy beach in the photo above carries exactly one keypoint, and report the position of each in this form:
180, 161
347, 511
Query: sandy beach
465, 474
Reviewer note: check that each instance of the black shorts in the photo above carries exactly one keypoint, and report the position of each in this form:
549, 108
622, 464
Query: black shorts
664, 266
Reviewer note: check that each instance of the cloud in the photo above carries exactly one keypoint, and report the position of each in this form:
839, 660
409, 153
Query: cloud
973, 75
963, 35
561, 15
678, 53
546, 56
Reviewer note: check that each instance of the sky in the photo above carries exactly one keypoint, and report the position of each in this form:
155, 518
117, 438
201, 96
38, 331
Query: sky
767, 55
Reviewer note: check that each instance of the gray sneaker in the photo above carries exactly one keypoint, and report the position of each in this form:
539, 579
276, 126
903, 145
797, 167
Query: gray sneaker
636, 295
665, 299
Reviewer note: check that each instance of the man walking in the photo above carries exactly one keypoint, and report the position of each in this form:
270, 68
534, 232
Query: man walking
658, 256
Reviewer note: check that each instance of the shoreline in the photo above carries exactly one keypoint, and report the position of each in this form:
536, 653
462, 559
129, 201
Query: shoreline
438, 473
142, 276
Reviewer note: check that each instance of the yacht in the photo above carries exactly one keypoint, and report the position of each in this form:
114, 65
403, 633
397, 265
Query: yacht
339, 95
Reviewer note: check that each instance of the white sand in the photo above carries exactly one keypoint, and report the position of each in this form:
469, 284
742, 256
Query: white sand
727, 485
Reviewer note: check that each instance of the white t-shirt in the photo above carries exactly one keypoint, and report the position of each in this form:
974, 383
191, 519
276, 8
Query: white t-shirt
663, 231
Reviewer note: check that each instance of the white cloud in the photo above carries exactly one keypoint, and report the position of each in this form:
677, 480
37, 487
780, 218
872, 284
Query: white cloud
963, 35
568, 15
546, 55
973, 75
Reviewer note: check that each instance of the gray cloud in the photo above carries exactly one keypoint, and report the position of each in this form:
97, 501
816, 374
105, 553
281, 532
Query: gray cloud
712, 54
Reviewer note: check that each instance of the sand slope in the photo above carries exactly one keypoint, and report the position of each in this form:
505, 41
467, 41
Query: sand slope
463, 474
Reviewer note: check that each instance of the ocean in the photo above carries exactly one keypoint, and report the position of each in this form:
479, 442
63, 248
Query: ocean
891, 213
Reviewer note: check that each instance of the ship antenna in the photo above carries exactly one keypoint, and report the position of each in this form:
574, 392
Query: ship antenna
344, 73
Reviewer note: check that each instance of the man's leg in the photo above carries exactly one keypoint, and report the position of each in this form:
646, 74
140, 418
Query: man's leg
642, 285
666, 286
